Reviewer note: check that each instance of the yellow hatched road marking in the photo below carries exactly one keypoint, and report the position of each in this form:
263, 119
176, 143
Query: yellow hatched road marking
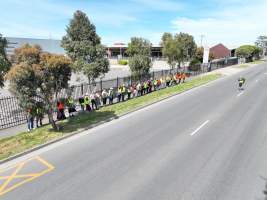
11, 177
29, 176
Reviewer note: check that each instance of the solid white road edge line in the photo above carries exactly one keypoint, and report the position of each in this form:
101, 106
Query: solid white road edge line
204, 124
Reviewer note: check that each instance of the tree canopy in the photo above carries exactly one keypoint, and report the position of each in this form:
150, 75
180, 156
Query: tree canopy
38, 77
139, 46
170, 49
139, 50
4, 62
262, 44
248, 52
83, 46
178, 48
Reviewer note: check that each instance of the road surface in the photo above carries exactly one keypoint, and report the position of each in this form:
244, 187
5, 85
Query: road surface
207, 144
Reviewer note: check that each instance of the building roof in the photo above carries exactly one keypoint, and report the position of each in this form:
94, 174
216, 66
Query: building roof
220, 51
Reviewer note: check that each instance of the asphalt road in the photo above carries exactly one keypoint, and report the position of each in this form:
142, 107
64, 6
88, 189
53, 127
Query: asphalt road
207, 144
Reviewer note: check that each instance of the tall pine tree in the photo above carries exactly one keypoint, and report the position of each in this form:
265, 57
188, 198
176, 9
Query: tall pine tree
83, 46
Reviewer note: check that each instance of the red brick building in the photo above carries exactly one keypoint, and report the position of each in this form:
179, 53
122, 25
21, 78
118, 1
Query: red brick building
220, 51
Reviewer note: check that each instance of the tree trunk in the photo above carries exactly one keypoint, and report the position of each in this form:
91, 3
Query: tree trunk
51, 120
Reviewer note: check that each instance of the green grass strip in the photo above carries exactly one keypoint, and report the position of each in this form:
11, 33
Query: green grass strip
26, 140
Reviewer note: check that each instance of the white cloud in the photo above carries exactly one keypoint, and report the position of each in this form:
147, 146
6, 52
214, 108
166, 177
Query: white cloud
161, 5
232, 26
41, 18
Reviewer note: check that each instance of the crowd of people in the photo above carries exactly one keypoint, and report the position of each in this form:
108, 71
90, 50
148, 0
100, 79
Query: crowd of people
96, 99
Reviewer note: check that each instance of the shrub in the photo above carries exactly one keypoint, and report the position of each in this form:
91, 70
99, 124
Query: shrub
195, 65
123, 62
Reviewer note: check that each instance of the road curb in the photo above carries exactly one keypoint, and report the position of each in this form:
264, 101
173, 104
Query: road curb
95, 125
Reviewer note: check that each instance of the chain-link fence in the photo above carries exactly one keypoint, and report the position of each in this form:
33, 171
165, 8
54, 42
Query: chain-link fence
12, 115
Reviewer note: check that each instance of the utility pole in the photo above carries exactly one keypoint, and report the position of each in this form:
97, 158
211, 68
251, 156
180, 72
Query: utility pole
201, 40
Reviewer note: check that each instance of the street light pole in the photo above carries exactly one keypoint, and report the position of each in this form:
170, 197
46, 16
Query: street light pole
201, 40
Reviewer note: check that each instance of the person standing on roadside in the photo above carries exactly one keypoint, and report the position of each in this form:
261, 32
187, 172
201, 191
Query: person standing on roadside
71, 106
123, 92
155, 84
104, 96
162, 83
93, 101
60, 109
98, 99
87, 102
30, 119
168, 80
142, 89
119, 93
145, 88
134, 91
180, 78
129, 92
81, 102
138, 88
111, 95
39, 114
150, 85
183, 77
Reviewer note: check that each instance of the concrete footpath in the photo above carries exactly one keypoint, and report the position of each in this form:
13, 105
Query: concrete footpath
224, 71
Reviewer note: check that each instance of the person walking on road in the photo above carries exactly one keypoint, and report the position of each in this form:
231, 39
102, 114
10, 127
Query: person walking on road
241, 82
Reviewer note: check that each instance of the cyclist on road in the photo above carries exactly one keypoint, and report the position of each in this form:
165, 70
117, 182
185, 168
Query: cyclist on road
241, 82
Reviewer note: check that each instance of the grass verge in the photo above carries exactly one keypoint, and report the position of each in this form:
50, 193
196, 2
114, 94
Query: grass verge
242, 66
27, 140
256, 62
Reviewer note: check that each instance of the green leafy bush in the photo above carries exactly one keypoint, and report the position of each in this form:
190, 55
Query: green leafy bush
123, 62
195, 65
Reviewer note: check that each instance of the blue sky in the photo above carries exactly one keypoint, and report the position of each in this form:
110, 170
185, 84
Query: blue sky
232, 22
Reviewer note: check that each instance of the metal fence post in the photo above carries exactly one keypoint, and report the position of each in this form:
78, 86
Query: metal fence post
82, 88
117, 81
